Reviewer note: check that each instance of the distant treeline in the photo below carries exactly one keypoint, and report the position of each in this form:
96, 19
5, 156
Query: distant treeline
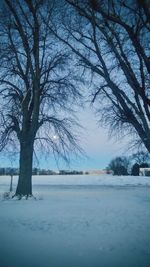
36, 171
136, 164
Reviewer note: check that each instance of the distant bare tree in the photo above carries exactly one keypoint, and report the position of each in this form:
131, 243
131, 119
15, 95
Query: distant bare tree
111, 41
36, 89
140, 157
119, 166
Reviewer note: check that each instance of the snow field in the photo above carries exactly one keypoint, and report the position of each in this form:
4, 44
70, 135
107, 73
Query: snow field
77, 225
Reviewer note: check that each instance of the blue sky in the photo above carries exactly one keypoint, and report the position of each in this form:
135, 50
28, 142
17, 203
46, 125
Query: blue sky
99, 148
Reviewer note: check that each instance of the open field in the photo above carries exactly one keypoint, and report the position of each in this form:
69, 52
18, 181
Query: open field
77, 221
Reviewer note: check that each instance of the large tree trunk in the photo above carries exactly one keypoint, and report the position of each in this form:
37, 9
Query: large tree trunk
24, 187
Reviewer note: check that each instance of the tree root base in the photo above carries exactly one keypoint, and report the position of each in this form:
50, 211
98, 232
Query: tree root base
21, 196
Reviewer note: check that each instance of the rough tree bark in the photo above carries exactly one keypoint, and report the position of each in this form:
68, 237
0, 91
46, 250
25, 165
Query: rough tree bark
24, 186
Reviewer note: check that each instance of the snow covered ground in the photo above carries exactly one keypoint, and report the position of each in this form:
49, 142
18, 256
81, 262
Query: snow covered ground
77, 221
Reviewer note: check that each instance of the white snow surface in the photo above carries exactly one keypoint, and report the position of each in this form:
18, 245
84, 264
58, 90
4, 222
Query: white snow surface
77, 221
82, 180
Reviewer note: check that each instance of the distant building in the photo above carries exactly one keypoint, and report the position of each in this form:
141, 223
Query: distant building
97, 172
70, 172
144, 172
46, 172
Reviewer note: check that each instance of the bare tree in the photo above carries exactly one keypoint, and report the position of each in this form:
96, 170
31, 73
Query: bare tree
140, 157
36, 89
119, 166
111, 42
